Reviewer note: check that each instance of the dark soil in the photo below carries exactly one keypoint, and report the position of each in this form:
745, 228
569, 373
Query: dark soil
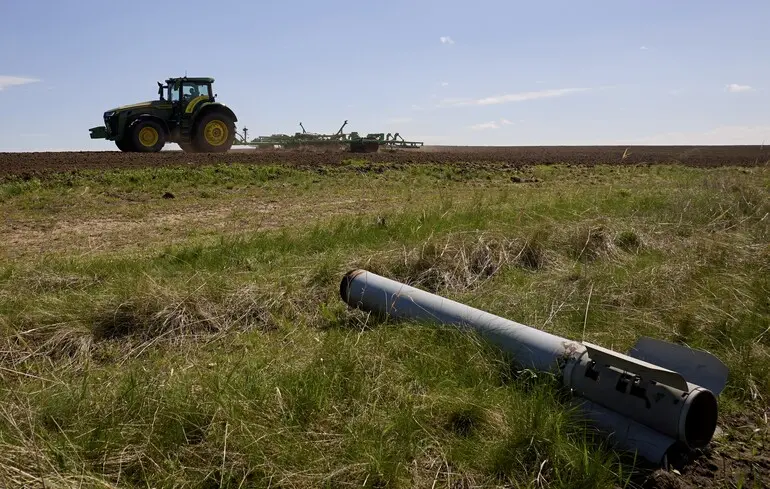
28, 165
740, 457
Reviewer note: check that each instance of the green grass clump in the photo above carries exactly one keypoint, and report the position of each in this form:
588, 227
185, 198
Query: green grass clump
229, 360
389, 407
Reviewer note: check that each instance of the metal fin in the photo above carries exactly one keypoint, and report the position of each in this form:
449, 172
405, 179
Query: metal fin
642, 368
696, 366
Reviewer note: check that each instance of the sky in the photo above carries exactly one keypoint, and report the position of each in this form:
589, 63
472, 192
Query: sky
443, 72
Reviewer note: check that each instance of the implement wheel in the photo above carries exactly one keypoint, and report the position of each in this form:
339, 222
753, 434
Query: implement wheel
364, 146
147, 136
214, 133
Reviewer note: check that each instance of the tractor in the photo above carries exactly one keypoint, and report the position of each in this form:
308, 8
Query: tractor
186, 113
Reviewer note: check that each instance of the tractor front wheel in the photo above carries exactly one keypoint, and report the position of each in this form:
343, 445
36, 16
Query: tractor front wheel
214, 133
147, 136
124, 145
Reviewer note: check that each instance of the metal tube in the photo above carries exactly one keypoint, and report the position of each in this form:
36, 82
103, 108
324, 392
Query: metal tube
529, 347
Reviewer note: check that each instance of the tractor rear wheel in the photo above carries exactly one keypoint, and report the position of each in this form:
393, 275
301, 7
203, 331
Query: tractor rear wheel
147, 136
214, 133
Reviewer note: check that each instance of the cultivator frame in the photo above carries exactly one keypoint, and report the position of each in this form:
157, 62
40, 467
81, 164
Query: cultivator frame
355, 142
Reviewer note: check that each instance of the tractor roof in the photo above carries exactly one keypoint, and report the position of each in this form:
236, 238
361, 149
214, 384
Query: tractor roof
192, 79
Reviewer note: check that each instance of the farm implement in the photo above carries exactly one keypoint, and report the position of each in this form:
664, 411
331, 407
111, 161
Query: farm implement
355, 142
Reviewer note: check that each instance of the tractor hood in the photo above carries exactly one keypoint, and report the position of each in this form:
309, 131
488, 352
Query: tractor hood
140, 105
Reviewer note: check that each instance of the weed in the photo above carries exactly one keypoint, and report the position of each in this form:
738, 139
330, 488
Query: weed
628, 241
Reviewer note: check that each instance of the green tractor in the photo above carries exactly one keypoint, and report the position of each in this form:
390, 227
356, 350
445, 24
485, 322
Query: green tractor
185, 113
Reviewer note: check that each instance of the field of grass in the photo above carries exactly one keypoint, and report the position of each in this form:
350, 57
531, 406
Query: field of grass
183, 327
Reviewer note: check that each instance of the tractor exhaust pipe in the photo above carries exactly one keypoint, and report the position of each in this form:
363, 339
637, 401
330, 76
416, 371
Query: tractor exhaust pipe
658, 397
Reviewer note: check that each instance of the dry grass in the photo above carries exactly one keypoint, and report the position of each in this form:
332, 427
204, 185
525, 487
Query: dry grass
460, 262
157, 318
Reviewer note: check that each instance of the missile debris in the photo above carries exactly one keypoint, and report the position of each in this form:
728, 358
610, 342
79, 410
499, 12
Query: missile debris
657, 397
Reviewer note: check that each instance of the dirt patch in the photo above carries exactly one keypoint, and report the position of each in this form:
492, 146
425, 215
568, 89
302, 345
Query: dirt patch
125, 234
108, 233
29, 165
739, 457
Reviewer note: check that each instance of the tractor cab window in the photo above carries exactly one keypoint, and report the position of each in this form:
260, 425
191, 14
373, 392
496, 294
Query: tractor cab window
187, 91
192, 90
174, 93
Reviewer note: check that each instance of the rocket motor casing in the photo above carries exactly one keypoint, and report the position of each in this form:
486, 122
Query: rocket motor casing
648, 408
529, 346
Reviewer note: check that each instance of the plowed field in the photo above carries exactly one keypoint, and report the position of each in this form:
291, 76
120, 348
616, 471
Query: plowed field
38, 164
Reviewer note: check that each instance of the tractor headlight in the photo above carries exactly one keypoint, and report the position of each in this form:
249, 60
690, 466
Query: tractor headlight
108, 121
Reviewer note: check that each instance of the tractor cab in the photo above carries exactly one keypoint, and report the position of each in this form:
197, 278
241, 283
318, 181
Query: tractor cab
186, 93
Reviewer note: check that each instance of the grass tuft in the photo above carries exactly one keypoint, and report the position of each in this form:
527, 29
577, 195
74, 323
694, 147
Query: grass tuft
629, 241
534, 254
466, 420
458, 262
590, 242
149, 319
173, 317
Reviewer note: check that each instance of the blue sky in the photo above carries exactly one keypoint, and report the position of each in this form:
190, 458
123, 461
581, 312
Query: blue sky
445, 72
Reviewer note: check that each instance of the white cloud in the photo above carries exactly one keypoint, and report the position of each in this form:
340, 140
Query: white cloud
490, 125
520, 97
446, 40
643, 48
485, 125
455, 102
10, 81
736, 88
511, 97
444, 84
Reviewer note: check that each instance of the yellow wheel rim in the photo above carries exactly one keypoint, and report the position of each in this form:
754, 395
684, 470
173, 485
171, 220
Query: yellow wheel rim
148, 137
216, 133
